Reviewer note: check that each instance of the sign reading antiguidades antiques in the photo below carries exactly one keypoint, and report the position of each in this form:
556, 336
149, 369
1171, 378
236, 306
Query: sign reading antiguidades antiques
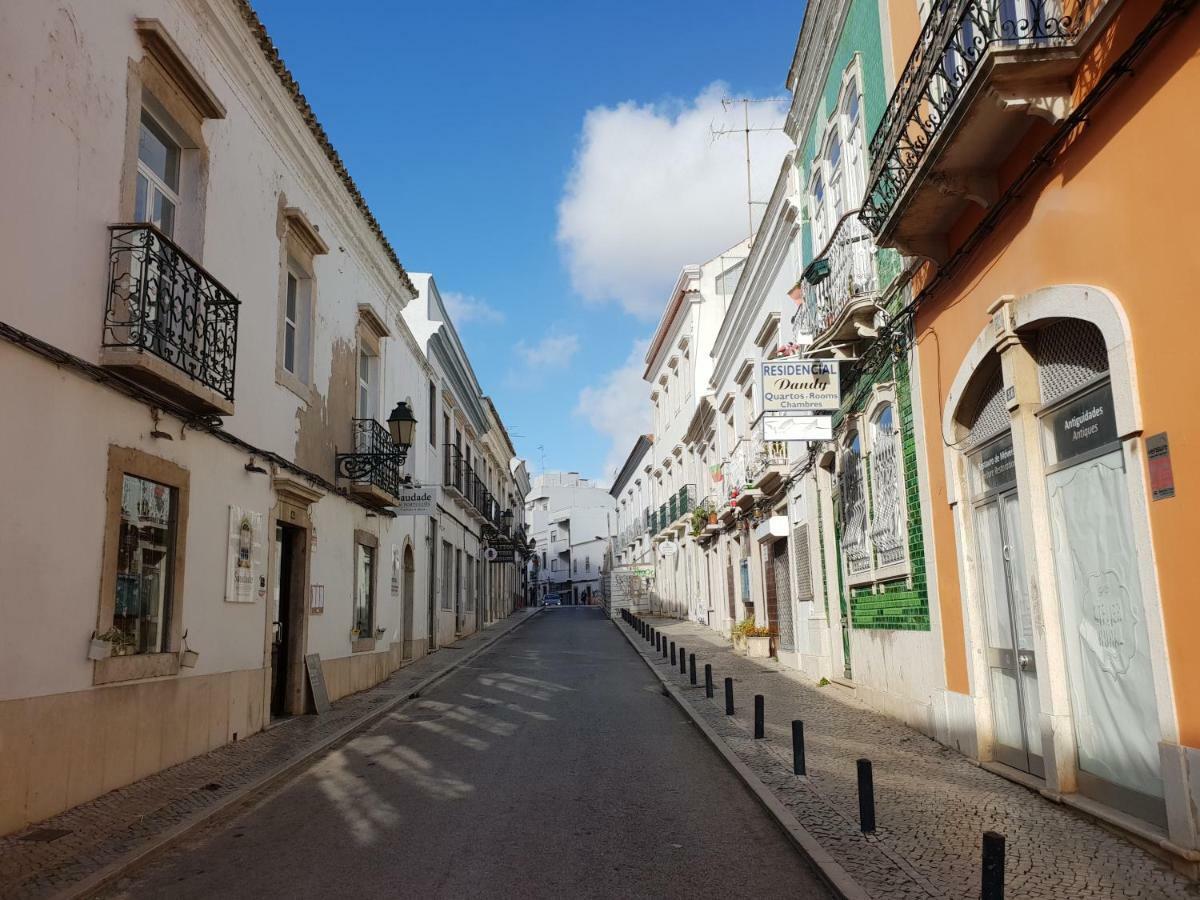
799, 385
419, 501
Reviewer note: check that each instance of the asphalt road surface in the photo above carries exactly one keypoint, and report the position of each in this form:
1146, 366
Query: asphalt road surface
550, 766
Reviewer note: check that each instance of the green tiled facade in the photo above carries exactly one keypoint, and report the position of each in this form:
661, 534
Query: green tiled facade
902, 604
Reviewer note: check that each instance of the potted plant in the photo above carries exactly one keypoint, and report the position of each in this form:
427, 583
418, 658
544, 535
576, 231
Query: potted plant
758, 643
188, 657
740, 632
102, 646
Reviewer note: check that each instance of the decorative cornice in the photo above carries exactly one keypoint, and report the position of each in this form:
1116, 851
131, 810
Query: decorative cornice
823, 22
160, 45
305, 231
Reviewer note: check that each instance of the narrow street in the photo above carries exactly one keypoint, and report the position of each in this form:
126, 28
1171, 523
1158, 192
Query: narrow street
550, 766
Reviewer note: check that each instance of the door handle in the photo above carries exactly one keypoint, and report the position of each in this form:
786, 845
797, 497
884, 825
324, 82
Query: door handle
1024, 661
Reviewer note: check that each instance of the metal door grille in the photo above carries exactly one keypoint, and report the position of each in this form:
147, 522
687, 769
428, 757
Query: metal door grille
783, 591
1069, 354
803, 584
887, 522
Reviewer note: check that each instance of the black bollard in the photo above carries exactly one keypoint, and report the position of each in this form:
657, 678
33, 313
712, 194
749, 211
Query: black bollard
664, 646
682, 661
657, 642
729, 696
672, 653
866, 797
993, 866
759, 715
798, 767
692, 668
708, 692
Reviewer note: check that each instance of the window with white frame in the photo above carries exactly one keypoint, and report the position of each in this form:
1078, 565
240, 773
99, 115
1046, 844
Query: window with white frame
838, 178
157, 195
368, 383
297, 322
817, 209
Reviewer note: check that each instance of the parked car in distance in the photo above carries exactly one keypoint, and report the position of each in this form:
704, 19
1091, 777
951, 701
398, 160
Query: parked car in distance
551, 600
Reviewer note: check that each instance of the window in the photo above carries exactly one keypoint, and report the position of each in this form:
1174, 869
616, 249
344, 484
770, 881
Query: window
575, 566
543, 559
297, 318
141, 579
853, 501
364, 592
145, 567
820, 228
587, 564
447, 576
470, 582
887, 497
837, 179
157, 197
554, 565
432, 413
368, 388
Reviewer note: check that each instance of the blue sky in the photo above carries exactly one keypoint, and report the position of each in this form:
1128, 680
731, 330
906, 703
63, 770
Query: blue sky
552, 164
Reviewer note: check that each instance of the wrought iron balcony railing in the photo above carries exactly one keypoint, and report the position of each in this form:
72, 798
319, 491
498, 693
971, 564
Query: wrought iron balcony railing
764, 454
955, 39
844, 271
162, 302
686, 499
375, 461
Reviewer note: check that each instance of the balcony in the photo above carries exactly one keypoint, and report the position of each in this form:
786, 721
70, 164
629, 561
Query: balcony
980, 71
842, 288
767, 461
168, 324
374, 467
465, 486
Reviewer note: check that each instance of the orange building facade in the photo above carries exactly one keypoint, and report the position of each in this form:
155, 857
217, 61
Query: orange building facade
1040, 155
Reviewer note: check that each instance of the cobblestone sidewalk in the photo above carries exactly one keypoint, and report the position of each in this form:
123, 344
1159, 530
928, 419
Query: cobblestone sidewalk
104, 831
932, 804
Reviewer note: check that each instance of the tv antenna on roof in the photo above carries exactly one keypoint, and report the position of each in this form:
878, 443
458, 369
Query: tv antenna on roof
726, 102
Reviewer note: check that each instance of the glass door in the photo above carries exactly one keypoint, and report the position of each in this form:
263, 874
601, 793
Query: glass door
1011, 658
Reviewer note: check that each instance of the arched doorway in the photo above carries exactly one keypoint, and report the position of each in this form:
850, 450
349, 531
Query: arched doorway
408, 600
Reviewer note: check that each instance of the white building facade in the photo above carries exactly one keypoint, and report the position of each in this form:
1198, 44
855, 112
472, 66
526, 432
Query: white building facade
571, 521
209, 352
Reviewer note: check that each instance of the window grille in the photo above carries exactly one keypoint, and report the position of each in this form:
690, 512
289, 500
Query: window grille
783, 595
887, 521
854, 511
1069, 354
991, 416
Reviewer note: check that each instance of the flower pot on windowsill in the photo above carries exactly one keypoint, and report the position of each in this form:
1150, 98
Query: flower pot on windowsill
188, 658
99, 649
758, 646
380, 632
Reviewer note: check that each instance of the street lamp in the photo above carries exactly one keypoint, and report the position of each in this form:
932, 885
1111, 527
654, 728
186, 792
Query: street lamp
402, 424
506, 518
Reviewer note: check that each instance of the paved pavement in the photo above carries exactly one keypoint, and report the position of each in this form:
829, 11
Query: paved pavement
551, 765
932, 803
103, 833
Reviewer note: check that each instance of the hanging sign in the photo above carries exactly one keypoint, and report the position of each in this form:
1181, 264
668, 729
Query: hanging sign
797, 428
419, 501
643, 571
790, 386
668, 548
245, 574
1162, 478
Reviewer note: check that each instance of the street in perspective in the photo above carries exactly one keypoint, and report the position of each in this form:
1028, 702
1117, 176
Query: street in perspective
613, 450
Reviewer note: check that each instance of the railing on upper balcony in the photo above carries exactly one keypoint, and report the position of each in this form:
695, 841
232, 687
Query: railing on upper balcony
763, 453
954, 40
844, 271
375, 460
686, 499
161, 301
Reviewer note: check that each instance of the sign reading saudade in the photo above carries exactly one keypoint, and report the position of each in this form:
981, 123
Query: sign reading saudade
419, 501
799, 385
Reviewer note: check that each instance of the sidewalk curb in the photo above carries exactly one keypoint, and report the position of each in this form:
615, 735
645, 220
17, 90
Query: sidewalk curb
160, 842
829, 869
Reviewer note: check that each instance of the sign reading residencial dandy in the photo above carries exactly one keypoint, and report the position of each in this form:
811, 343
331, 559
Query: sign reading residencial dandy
418, 501
799, 386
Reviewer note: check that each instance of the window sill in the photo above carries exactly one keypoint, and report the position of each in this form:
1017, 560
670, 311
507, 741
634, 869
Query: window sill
293, 384
362, 645
137, 666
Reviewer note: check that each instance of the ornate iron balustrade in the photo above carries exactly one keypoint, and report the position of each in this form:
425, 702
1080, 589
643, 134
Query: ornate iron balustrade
955, 39
672, 508
375, 460
686, 499
161, 301
844, 271
763, 453
663, 519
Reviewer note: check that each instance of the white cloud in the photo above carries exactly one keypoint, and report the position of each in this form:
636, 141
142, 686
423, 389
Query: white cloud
651, 191
618, 408
552, 351
465, 309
